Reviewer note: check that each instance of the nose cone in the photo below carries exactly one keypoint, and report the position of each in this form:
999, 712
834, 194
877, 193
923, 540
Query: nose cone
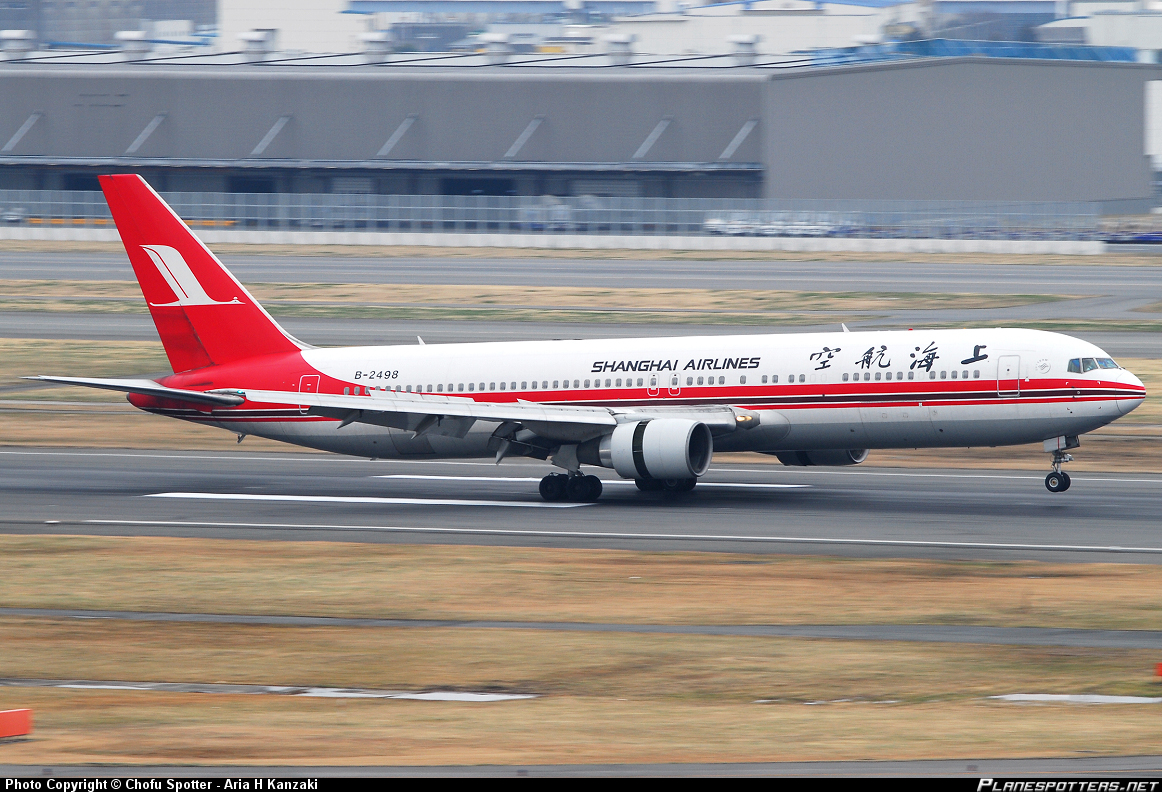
1134, 390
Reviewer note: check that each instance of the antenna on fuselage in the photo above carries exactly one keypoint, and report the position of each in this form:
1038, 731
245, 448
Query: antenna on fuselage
421, 341
841, 324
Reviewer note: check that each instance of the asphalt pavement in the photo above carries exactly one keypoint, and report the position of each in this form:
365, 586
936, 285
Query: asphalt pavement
762, 508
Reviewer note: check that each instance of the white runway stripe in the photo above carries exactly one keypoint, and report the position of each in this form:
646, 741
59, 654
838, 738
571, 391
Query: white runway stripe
811, 540
605, 482
347, 499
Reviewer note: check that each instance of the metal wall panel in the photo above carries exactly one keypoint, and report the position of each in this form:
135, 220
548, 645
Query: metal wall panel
1022, 130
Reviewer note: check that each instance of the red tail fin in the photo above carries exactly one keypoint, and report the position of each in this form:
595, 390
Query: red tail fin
203, 314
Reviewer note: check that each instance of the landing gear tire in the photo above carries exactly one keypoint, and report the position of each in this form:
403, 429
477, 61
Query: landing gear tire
583, 489
679, 485
648, 485
554, 487
1057, 482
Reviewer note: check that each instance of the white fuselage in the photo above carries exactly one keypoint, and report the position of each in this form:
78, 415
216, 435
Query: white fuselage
864, 390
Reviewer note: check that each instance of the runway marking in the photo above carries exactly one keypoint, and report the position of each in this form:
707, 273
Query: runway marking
277, 690
1082, 698
334, 458
605, 482
349, 499
813, 540
819, 471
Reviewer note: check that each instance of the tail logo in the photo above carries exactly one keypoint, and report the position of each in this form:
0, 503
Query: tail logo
181, 279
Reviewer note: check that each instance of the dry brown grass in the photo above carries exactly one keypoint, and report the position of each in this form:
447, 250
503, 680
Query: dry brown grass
531, 584
605, 698
52, 294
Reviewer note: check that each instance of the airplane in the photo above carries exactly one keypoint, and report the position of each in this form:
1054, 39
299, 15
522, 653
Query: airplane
651, 409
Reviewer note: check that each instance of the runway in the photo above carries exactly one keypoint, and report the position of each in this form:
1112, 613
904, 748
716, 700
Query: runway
946, 514
877, 276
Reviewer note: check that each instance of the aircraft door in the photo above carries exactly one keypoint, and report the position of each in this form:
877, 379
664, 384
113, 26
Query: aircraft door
308, 383
1009, 375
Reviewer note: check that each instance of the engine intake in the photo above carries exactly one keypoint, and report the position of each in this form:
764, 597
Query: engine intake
662, 448
829, 457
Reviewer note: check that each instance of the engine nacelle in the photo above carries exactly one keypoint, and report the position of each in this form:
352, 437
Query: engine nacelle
662, 448
826, 458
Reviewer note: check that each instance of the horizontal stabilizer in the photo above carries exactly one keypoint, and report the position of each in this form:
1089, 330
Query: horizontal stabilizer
147, 388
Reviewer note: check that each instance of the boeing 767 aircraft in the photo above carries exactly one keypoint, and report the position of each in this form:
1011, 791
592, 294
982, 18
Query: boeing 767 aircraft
652, 409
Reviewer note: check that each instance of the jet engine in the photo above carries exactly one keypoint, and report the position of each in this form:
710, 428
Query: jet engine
661, 448
826, 458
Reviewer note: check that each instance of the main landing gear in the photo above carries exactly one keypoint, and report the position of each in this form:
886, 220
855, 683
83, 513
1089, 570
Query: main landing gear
1058, 480
578, 488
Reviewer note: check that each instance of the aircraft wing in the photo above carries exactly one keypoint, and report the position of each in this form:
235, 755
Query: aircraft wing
147, 388
418, 412
426, 413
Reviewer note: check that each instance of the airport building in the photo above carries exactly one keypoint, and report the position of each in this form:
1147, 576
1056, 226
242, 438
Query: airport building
908, 125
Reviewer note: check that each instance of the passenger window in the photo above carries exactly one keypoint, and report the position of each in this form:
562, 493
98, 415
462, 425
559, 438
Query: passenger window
802, 378
482, 386
576, 383
845, 376
1075, 366
943, 375
459, 387
775, 378
346, 391
976, 373
742, 379
689, 380
954, 375
765, 378
502, 386
524, 386
878, 376
439, 387
911, 375
1088, 364
471, 386
512, 386
867, 376
544, 384
639, 382
586, 383
699, 380
556, 384
964, 375
931, 375
607, 383
887, 375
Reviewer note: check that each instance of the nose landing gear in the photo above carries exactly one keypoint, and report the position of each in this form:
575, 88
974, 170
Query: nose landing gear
578, 488
1058, 480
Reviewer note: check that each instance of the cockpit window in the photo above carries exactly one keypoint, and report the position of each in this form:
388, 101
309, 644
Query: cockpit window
1088, 364
1107, 363
1075, 366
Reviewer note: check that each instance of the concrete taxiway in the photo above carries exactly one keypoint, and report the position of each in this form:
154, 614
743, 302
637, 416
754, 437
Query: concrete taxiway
737, 508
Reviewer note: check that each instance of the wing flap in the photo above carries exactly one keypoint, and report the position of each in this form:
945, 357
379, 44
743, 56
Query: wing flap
421, 405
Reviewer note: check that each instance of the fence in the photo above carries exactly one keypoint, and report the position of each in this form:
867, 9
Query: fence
585, 215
